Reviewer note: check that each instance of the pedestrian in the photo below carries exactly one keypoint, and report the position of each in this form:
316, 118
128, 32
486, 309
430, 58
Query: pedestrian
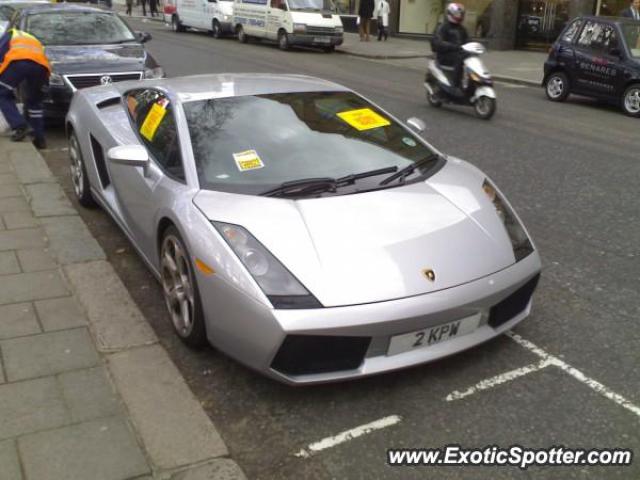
633, 11
23, 62
365, 12
129, 6
153, 7
144, 7
381, 12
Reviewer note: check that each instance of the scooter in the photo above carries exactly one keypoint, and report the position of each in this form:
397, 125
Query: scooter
476, 86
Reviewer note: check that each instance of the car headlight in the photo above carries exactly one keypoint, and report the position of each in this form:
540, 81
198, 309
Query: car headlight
226, 17
277, 283
56, 79
157, 72
519, 239
299, 28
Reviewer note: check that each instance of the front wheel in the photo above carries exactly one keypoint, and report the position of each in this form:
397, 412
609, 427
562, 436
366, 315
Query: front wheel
283, 40
216, 30
631, 100
181, 290
485, 107
79, 178
176, 25
242, 37
556, 87
433, 98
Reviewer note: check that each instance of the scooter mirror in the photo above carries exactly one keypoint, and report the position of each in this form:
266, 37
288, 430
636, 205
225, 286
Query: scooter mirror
417, 124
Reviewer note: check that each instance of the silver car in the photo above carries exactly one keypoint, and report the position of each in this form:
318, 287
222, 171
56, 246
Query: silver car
298, 227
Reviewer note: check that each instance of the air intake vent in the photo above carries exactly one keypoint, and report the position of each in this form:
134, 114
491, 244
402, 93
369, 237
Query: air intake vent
98, 157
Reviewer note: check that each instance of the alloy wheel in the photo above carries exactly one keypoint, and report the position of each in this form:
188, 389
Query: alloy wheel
177, 285
77, 175
632, 101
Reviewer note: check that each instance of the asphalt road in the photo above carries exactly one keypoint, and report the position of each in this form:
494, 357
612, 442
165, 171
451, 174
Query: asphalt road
571, 170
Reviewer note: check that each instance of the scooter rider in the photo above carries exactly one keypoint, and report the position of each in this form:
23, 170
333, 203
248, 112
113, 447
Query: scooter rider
448, 39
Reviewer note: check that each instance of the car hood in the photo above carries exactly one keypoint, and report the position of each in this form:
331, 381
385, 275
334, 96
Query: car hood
97, 58
374, 246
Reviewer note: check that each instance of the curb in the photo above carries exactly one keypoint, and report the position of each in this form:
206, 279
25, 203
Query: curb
380, 57
177, 443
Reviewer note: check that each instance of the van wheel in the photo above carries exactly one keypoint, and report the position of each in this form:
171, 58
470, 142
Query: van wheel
283, 40
557, 87
242, 37
631, 100
216, 30
176, 25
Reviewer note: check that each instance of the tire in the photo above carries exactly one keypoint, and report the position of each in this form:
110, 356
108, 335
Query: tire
216, 29
242, 37
79, 178
180, 290
176, 25
433, 100
283, 40
631, 100
485, 107
556, 87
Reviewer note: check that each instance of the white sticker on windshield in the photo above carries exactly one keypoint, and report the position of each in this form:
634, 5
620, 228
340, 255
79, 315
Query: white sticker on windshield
409, 141
248, 160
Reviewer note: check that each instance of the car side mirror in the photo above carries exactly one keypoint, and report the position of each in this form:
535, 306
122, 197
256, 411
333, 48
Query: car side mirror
131, 155
416, 124
143, 37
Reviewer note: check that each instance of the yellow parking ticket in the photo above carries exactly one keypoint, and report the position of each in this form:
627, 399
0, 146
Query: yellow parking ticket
248, 160
153, 121
364, 119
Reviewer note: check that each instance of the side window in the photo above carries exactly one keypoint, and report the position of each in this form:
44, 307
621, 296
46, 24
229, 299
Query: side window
153, 117
569, 34
598, 36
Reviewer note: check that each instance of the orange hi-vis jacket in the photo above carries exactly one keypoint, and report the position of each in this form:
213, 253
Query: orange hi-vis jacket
24, 46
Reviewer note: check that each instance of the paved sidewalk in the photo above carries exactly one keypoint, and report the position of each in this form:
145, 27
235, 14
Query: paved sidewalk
86, 391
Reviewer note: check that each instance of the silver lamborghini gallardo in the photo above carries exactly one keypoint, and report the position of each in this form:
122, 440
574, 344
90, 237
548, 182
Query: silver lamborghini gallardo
298, 227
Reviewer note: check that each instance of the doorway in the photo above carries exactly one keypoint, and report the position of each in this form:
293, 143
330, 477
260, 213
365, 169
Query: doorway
540, 22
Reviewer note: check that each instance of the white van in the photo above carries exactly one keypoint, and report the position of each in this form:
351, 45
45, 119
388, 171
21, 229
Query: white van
215, 16
289, 22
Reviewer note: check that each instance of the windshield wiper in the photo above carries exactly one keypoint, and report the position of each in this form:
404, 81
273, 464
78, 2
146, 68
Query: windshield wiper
403, 173
307, 186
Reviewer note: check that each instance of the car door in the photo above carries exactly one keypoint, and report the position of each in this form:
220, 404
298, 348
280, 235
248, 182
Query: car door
141, 191
275, 17
598, 69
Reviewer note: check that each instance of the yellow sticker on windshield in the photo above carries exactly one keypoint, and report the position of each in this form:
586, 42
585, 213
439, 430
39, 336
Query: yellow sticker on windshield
248, 160
153, 121
364, 119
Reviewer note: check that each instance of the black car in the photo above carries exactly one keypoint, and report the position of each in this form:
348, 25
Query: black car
596, 57
86, 46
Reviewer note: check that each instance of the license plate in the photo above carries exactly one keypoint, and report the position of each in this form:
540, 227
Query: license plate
431, 336
321, 40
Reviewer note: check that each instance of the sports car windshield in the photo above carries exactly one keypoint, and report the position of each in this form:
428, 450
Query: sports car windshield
78, 28
252, 143
632, 37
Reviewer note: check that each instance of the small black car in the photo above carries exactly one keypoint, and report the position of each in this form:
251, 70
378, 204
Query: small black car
596, 57
86, 46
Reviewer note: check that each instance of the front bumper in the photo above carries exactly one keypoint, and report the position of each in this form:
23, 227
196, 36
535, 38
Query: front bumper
311, 40
254, 334
57, 101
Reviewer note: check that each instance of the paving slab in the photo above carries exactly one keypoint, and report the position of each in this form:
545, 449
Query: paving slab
28, 165
2, 226
14, 204
15, 220
18, 320
23, 238
2, 377
5, 168
103, 449
30, 406
48, 200
176, 432
26, 287
89, 394
114, 318
9, 463
10, 190
70, 240
48, 354
9, 263
221, 469
60, 314
36, 260
8, 179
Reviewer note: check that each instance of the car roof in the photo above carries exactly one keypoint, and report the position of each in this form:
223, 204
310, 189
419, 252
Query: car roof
620, 20
200, 87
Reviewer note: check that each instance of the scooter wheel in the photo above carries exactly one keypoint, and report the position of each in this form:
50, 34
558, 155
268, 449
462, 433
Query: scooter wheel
485, 107
433, 100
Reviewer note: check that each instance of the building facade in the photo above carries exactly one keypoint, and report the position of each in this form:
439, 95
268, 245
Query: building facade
503, 24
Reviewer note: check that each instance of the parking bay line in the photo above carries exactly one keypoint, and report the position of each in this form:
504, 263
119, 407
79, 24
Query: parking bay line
546, 359
347, 435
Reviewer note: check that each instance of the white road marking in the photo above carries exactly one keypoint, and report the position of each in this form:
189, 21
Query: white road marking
345, 436
577, 374
498, 380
